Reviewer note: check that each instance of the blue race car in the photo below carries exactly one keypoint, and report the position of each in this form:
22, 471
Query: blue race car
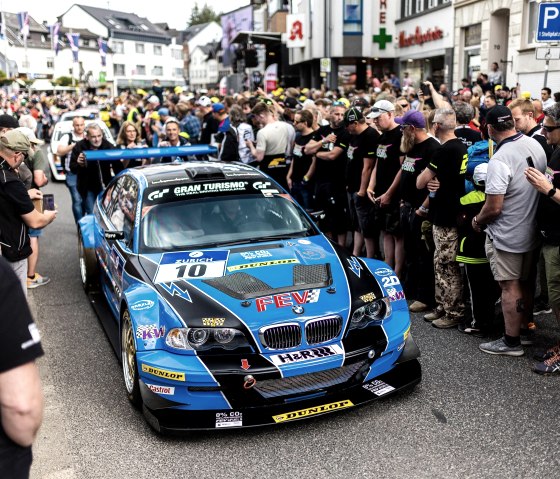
228, 306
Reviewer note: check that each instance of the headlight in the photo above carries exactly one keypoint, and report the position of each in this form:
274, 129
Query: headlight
201, 339
376, 311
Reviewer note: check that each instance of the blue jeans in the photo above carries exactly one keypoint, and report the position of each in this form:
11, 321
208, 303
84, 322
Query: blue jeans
77, 202
89, 202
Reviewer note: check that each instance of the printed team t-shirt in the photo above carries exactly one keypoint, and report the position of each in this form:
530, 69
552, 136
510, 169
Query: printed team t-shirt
301, 161
449, 163
360, 146
414, 162
332, 170
388, 156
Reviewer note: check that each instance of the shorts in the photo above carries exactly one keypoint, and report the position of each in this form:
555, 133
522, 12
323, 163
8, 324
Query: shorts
388, 219
33, 233
507, 266
334, 204
362, 215
552, 266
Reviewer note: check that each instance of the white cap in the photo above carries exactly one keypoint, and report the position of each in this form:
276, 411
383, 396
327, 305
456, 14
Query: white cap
28, 132
154, 100
204, 101
380, 107
479, 174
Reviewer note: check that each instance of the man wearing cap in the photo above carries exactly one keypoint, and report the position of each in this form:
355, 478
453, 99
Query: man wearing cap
383, 188
7, 122
36, 164
418, 148
361, 160
508, 216
17, 212
445, 178
548, 215
209, 123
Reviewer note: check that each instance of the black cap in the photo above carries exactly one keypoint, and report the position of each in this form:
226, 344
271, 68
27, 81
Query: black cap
498, 114
290, 102
8, 121
353, 114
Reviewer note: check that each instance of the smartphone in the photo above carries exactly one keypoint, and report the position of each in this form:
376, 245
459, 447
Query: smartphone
529, 161
48, 202
425, 89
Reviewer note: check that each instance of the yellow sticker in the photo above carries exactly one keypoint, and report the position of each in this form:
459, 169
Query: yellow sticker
290, 416
162, 373
213, 322
368, 298
262, 263
406, 333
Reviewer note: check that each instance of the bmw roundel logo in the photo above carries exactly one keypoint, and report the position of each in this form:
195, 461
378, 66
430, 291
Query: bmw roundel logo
196, 254
298, 309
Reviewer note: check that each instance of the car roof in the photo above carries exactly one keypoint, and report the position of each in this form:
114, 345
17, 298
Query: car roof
196, 172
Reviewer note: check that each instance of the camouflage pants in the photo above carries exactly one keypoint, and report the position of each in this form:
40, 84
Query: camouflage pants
449, 281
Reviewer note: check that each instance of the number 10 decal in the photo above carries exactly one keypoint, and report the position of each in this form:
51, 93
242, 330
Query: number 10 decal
191, 265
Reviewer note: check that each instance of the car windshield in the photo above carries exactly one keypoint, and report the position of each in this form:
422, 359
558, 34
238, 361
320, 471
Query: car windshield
221, 220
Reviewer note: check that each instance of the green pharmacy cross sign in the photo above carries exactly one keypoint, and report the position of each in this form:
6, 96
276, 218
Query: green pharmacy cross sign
382, 38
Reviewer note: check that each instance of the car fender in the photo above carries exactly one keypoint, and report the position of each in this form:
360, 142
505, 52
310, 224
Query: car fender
87, 228
151, 318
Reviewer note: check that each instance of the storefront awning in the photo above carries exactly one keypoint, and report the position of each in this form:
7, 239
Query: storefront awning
260, 38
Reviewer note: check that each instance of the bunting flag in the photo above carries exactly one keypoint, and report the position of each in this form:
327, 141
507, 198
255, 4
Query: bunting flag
55, 37
102, 51
23, 20
74, 39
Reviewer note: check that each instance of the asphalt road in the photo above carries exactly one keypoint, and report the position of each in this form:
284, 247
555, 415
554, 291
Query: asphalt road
472, 416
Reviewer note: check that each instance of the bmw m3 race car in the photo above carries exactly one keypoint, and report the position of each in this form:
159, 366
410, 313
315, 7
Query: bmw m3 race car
227, 305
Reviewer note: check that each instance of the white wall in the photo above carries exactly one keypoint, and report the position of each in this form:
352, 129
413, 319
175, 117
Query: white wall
76, 17
212, 33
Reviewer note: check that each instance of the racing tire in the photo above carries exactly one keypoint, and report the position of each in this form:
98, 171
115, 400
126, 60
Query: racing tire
88, 266
129, 363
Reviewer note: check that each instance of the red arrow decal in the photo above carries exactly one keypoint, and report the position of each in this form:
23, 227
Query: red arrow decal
245, 364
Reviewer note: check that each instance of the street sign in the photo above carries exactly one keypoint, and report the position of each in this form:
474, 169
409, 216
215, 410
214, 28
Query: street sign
547, 53
548, 27
325, 65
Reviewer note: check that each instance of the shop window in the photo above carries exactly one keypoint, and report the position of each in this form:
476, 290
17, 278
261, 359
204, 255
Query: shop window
471, 51
352, 17
531, 17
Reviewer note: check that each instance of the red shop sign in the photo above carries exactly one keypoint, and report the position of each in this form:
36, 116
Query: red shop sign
418, 38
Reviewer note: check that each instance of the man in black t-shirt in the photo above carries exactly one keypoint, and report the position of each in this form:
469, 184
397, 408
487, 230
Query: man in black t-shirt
464, 113
418, 148
449, 165
209, 124
329, 146
383, 188
21, 398
361, 160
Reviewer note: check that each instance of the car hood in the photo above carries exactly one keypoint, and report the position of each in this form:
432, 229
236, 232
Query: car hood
262, 284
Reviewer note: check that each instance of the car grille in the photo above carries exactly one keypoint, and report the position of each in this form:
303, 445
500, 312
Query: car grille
274, 388
285, 336
324, 329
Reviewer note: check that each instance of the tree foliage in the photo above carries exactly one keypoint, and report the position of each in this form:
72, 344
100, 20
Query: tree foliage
63, 81
203, 15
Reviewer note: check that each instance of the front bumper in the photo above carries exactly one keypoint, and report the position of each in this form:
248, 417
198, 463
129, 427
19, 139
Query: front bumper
168, 416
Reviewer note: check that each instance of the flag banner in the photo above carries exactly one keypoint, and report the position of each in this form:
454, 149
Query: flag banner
74, 39
55, 37
23, 20
102, 51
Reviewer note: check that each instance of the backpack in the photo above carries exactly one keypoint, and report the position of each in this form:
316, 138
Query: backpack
477, 154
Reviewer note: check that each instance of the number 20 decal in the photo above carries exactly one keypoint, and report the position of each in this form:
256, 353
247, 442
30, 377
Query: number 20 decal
389, 281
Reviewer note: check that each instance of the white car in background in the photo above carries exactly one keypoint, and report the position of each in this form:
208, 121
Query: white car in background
61, 130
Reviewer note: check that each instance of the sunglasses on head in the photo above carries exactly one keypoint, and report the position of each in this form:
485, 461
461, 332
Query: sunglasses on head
377, 110
337, 103
550, 129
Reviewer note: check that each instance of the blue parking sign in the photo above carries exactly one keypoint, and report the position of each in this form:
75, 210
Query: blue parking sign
549, 22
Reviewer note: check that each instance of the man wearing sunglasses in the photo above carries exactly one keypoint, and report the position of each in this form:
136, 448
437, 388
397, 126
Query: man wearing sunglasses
508, 216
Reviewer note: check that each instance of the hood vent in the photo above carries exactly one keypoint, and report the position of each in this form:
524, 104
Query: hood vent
245, 286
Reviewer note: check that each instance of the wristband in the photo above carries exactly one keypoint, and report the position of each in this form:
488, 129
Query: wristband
306, 179
552, 192
424, 209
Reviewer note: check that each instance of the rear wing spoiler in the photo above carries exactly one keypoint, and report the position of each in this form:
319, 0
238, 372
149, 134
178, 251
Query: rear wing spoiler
140, 153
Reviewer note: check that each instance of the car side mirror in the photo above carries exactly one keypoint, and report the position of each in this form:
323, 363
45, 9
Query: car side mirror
113, 235
317, 215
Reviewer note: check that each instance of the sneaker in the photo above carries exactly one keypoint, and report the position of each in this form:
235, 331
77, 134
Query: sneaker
544, 355
541, 307
549, 366
418, 307
527, 337
468, 329
37, 280
435, 314
445, 323
499, 346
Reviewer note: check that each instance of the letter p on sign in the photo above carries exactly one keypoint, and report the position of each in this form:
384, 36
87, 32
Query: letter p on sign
550, 13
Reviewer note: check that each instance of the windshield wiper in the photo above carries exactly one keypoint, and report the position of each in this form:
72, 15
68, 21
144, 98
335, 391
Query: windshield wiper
295, 234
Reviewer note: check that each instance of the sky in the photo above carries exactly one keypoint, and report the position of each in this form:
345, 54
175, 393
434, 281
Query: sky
175, 13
